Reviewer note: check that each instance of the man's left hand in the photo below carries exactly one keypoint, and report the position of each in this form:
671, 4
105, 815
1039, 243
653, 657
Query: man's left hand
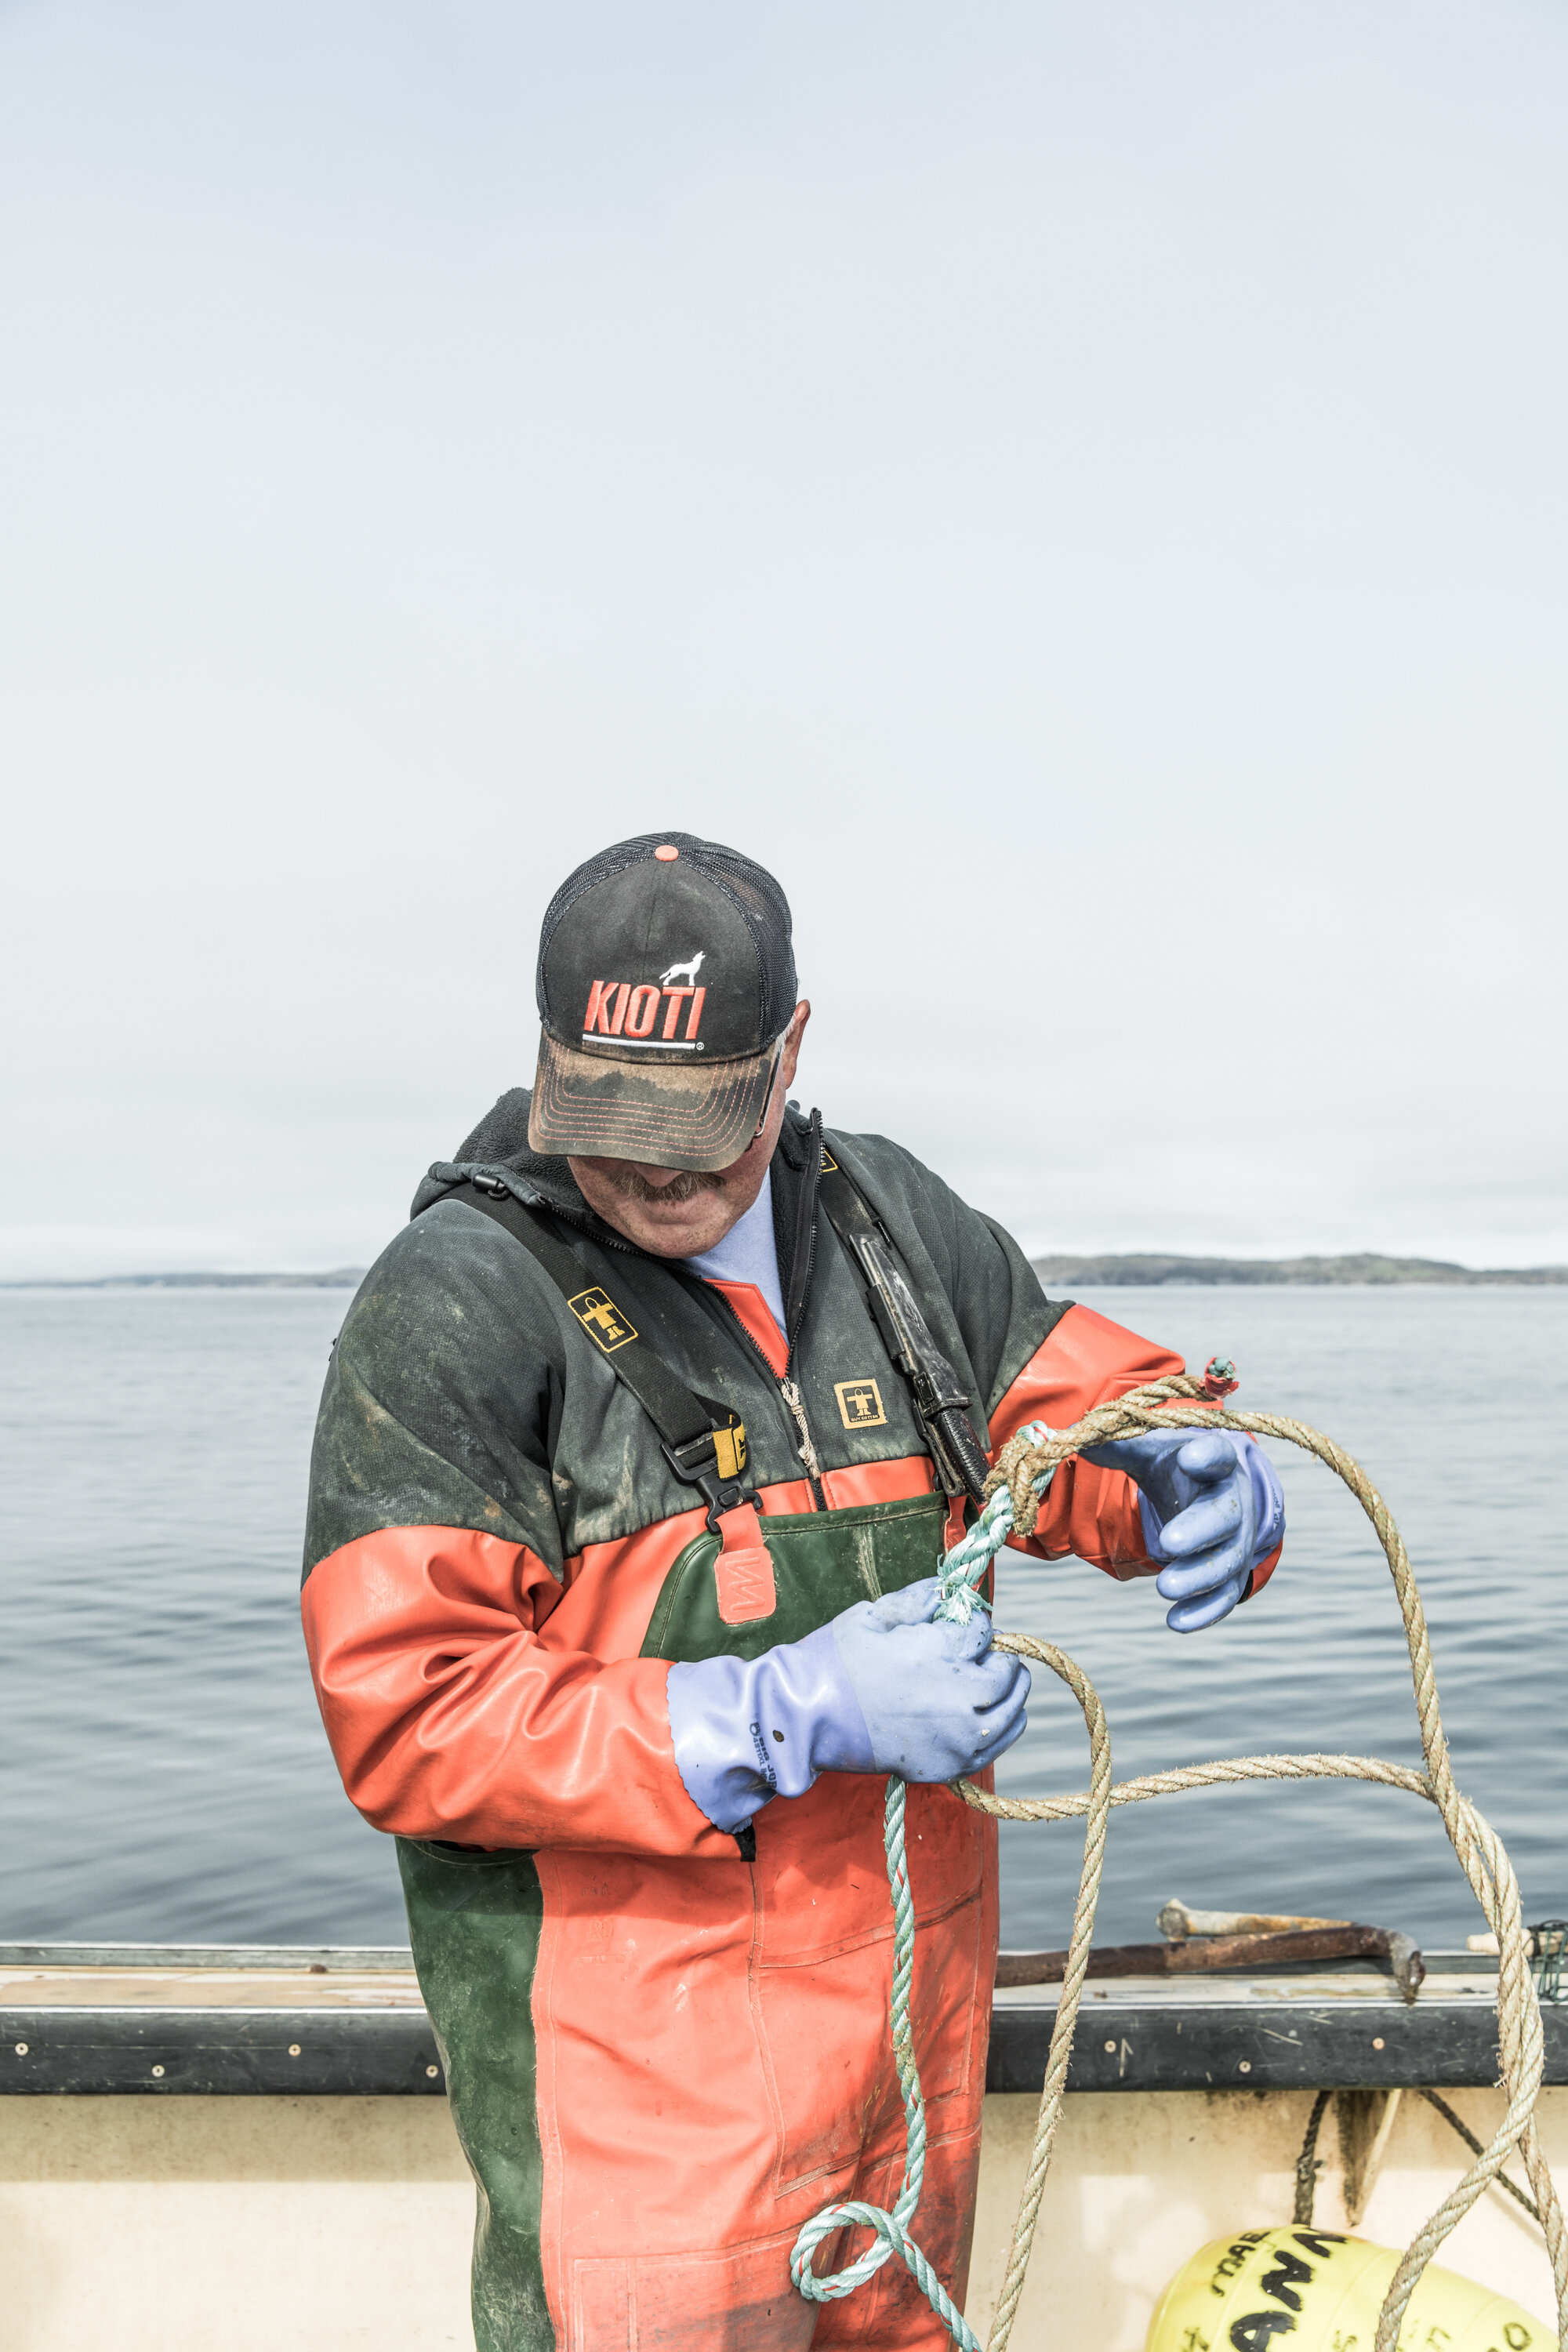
1218, 1511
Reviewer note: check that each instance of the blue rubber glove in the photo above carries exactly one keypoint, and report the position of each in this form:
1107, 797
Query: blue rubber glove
1213, 1509
881, 1689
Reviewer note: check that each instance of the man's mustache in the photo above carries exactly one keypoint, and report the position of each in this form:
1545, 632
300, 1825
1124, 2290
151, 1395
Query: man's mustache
633, 1186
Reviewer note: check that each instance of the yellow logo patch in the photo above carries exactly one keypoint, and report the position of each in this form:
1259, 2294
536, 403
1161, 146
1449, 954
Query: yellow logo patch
859, 1404
601, 1319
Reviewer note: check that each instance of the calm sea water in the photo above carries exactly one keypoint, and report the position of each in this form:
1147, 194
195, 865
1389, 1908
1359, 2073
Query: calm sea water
165, 1776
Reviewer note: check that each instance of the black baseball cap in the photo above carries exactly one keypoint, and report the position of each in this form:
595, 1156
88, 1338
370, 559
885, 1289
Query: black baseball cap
665, 980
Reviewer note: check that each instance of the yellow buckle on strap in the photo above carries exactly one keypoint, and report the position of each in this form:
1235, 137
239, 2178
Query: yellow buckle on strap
729, 1450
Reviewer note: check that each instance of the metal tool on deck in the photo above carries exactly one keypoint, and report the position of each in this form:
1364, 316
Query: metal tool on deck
1199, 1941
1176, 1922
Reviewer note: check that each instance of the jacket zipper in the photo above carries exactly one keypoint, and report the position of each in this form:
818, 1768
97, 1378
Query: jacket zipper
789, 1388
790, 1392
805, 1449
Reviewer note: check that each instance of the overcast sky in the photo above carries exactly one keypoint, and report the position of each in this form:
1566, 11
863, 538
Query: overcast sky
1080, 490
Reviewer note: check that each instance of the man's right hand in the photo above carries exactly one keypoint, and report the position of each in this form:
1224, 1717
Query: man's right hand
936, 1700
882, 1689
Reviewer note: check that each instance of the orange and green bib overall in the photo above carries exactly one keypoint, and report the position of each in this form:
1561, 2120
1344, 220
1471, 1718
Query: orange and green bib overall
662, 2056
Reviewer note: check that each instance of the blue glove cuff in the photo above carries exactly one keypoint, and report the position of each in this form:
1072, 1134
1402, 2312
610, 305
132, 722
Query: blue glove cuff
746, 1730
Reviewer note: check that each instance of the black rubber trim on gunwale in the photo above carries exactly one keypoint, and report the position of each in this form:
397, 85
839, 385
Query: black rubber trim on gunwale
203, 2052
1263, 2046
1242, 2043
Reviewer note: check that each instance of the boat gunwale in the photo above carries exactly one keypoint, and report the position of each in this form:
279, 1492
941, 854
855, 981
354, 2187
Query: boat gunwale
1334, 2024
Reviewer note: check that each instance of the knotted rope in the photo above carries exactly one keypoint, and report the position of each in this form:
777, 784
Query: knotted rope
1026, 1467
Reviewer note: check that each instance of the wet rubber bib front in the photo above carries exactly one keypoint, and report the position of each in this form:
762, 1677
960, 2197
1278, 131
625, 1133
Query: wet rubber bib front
822, 1562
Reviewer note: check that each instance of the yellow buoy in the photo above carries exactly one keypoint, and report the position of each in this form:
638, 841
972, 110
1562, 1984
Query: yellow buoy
1323, 2292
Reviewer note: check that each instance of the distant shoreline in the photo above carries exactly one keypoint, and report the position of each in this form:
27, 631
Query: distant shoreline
342, 1277
1140, 1270
1366, 1271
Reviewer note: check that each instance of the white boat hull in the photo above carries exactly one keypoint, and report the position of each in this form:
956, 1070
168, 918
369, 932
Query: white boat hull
318, 2224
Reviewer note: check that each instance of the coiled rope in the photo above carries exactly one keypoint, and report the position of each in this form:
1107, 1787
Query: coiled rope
1025, 1469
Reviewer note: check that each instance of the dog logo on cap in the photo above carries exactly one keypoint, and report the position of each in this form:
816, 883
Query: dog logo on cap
684, 971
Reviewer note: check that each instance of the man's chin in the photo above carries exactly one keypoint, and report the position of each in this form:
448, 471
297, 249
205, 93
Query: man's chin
671, 1235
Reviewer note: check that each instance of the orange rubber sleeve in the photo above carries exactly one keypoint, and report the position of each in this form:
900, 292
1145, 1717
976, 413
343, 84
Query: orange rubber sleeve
449, 1720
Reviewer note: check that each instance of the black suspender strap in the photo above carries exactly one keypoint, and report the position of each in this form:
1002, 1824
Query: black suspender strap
939, 1399
702, 1450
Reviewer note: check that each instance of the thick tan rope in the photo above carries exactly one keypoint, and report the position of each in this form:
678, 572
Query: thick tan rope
1179, 1402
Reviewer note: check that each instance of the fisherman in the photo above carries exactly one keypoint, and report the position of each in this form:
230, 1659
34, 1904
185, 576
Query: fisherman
639, 1447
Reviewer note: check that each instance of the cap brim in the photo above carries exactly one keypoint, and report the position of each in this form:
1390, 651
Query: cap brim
600, 1109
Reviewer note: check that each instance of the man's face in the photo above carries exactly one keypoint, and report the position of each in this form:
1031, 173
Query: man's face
680, 1211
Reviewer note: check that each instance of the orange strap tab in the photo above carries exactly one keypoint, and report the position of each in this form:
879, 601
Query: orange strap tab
743, 1571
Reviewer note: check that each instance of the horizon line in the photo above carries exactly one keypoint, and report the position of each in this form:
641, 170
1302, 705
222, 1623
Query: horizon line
1211, 1262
